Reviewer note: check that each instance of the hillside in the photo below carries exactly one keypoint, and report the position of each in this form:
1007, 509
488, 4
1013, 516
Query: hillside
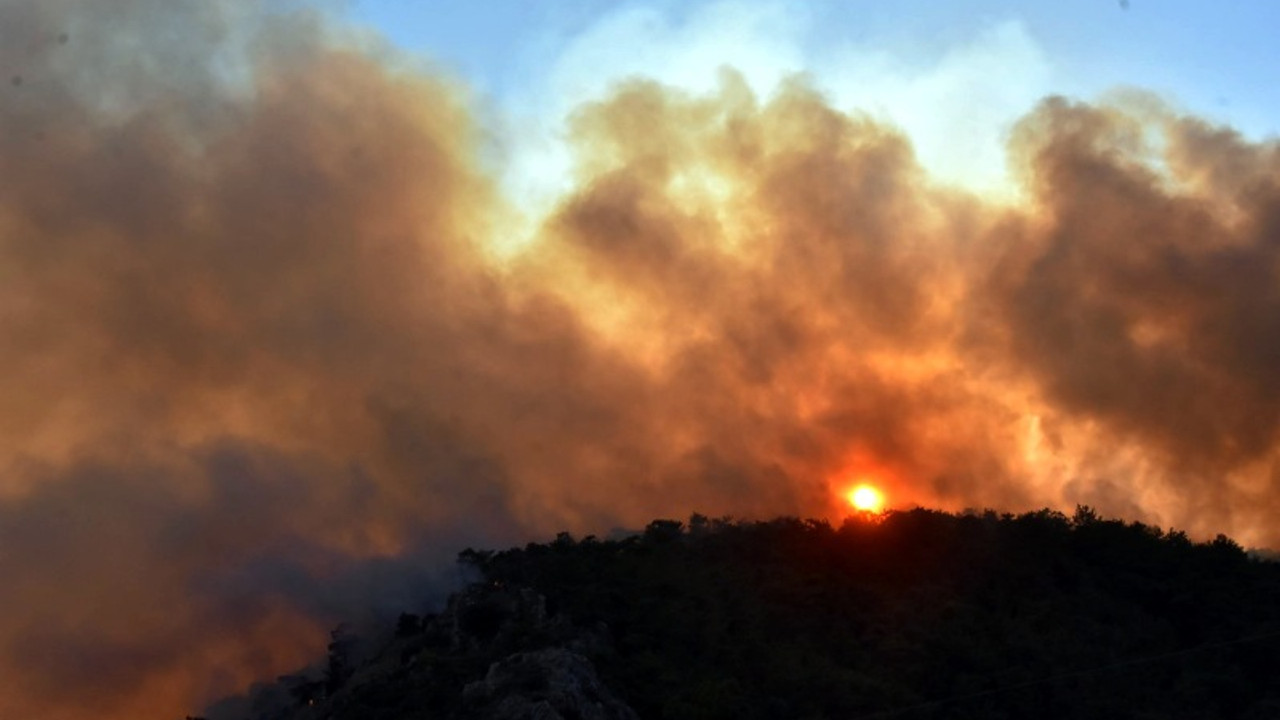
911, 614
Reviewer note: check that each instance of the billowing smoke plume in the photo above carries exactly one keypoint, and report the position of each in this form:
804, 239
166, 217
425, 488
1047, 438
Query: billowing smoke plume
260, 366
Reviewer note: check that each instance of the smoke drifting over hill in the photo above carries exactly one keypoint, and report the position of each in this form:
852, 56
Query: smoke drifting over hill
261, 365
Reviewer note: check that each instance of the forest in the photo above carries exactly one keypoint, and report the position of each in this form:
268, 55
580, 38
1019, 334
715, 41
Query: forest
907, 614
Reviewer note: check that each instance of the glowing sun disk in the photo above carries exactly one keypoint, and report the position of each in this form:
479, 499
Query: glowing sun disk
866, 498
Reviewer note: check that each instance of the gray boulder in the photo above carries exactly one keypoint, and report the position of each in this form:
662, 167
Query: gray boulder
548, 684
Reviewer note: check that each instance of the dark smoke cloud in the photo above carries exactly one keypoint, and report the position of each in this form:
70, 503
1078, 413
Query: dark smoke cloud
1146, 300
260, 373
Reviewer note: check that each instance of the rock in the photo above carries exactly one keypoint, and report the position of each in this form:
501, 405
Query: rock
548, 684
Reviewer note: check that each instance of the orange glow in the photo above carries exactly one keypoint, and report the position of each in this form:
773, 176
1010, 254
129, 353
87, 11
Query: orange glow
866, 498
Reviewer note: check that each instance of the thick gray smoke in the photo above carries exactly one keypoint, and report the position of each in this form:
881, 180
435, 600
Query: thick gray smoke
260, 370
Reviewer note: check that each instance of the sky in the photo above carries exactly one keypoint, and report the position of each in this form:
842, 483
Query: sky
298, 299
926, 66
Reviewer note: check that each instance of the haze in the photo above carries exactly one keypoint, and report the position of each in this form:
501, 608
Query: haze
289, 315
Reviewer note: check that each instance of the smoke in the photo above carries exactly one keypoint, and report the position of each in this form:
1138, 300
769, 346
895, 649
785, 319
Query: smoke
262, 368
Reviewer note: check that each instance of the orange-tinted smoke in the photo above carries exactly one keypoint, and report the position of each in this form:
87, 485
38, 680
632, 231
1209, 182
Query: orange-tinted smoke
259, 371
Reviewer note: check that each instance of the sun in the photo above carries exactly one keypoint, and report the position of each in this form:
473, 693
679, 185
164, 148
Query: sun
866, 498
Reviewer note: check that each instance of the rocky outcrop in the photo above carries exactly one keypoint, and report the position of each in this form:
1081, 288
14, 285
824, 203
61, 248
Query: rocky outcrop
493, 653
548, 684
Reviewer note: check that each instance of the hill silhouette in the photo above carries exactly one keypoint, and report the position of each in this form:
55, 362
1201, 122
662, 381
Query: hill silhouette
910, 614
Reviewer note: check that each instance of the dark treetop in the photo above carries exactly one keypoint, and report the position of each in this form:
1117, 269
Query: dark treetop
914, 614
